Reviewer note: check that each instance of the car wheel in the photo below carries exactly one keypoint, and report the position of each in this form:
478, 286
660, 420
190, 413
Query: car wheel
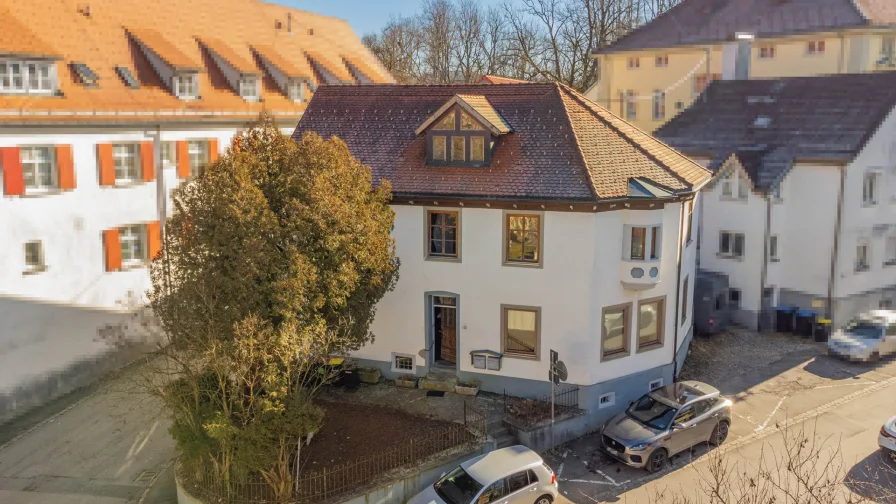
719, 433
657, 460
874, 357
544, 499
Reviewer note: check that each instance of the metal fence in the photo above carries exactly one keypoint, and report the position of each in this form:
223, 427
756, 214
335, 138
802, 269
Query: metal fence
325, 484
531, 410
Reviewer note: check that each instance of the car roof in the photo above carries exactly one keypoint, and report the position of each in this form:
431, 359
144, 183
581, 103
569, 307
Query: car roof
681, 393
881, 316
497, 464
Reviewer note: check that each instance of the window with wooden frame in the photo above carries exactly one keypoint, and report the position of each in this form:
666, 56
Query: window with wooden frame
439, 149
645, 243
639, 243
615, 330
766, 52
446, 123
634, 63
34, 257
661, 60
659, 105
651, 318
520, 331
522, 238
458, 139
458, 148
443, 234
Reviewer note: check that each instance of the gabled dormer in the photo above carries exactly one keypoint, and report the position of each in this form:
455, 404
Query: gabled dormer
242, 75
330, 71
27, 64
463, 132
175, 68
293, 77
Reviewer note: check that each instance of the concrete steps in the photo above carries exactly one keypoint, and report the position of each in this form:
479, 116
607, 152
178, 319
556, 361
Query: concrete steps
502, 436
434, 381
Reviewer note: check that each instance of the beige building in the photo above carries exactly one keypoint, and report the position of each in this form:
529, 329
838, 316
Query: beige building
659, 69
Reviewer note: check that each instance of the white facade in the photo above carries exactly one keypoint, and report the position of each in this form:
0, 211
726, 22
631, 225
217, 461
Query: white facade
803, 219
580, 275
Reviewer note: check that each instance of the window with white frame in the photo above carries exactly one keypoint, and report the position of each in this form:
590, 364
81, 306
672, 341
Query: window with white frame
634, 62
168, 154
735, 184
198, 152
185, 85
296, 90
731, 244
659, 105
39, 168
773, 248
743, 185
891, 251
249, 87
814, 47
127, 162
863, 259
27, 77
606, 400
870, 185
402, 362
34, 257
133, 244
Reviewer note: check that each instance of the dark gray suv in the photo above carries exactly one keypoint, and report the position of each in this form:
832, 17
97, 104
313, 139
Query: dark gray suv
666, 421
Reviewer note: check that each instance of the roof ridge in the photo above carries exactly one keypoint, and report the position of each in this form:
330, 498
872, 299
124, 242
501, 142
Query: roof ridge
588, 105
608, 49
592, 184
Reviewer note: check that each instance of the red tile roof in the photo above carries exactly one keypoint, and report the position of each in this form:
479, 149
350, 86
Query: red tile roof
704, 21
238, 62
562, 147
16, 38
497, 79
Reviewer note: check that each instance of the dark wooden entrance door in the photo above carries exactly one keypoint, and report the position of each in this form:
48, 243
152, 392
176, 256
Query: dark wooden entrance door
448, 326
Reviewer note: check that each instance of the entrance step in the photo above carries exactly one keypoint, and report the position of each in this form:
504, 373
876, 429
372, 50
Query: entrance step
433, 381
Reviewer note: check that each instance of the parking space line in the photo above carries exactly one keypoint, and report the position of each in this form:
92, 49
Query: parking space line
846, 384
593, 482
765, 423
560, 470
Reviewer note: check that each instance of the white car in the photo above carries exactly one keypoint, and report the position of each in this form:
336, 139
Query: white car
887, 437
513, 475
867, 337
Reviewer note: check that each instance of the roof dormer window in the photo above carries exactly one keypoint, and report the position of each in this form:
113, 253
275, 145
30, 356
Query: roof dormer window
27, 77
463, 132
186, 85
296, 90
249, 87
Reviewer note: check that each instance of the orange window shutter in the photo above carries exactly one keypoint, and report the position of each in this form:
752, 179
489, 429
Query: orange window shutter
212, 150
112, 244
183, 159
154, 239
106, 163
147, 161
11, 164
65, 166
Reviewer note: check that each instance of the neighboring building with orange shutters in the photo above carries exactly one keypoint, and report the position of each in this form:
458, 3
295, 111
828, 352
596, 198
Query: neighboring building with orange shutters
107, 105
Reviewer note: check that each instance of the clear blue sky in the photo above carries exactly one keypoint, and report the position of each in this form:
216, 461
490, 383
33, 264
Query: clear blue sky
365, 16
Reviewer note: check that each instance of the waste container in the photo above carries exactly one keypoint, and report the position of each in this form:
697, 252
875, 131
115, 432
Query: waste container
784, 319
804, 324
822, 329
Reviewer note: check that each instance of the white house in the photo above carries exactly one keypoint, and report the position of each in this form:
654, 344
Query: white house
104, 108
528, 219
801, 211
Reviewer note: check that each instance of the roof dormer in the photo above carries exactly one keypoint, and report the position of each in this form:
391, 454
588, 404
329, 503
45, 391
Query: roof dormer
293, 77
331, 71
174, 67
242, 75
27, 63
463, 132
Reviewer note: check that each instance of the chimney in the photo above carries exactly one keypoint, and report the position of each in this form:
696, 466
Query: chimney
289, 22
736, 54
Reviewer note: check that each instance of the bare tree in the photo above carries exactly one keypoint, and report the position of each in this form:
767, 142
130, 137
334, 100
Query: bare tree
438, 34
466, 51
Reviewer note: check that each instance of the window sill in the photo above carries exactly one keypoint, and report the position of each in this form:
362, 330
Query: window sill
444, 259
890, 263
869, 204
519, 264
735, 199
730, 256
40, 193
863, 269
613, 356
775, 260
127, 183
651, 346
128, 266
521, 356
34, 271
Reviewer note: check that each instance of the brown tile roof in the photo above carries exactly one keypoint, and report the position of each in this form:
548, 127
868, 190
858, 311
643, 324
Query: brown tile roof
497, 79
562, 147
828, 117
360, 66
704, 21
478, 106
238, 62
16, 38
100, 40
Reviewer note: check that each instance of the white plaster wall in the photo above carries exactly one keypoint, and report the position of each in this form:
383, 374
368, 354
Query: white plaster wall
860, 221
580, 275
744, 216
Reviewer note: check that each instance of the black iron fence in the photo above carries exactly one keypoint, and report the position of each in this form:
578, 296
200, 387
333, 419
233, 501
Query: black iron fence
328, 483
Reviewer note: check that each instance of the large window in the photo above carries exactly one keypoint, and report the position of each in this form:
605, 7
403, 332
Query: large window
185, 85
27, 77
731, 244
198, 152
133, 244
659, 105
639, 242
522, 239
646, 243
615, 331
651, 315
631, 105
127, 162
521, 327
39, 168
443, 234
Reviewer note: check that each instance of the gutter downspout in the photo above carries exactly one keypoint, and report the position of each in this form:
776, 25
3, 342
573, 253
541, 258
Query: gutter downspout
842, 57
681, 246
829, 312
763, 277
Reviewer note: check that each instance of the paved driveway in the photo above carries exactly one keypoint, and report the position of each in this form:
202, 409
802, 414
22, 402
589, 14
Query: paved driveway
799, 387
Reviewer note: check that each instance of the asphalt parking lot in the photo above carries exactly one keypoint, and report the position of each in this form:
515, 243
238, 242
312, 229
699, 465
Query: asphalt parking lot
799, 386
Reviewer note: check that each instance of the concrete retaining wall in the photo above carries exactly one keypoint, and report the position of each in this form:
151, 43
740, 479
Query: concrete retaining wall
538, 438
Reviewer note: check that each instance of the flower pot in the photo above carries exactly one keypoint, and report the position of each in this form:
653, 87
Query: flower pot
465, 390
406, 383
369, 375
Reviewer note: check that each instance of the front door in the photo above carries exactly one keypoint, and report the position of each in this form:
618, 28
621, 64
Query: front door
445, 330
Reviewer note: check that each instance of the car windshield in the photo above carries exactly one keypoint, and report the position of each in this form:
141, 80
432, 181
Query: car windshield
864, 329
457, 487
651, 412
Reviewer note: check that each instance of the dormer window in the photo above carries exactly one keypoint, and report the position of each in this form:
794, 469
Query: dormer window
27, 77
249, 87
296, 90
462, 132
186, 85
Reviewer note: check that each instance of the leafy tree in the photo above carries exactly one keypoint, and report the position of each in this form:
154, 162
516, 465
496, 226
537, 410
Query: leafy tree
273, 259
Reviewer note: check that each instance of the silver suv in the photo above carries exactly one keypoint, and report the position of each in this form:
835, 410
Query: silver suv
666, 421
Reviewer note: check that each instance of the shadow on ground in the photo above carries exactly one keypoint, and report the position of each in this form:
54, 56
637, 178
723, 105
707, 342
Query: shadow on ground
874, 478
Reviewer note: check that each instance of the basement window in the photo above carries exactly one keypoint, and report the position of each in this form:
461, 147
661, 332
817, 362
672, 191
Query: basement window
606, 400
